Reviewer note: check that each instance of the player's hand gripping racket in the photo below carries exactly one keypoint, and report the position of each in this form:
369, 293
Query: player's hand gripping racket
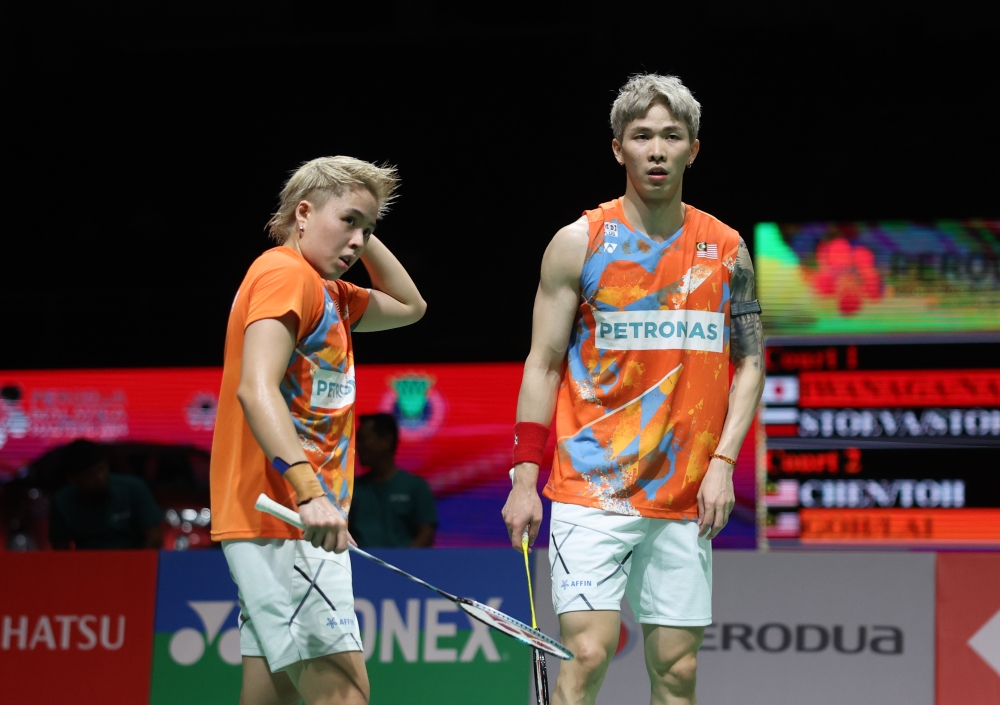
477, 610
540, 670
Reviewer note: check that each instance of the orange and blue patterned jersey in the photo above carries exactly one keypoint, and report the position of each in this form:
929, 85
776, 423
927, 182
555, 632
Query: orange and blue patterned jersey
318, 387
644, 391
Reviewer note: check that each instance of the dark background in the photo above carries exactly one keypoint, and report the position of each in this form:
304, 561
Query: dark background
145, 147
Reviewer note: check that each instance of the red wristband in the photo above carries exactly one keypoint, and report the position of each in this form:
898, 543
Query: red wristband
529, 442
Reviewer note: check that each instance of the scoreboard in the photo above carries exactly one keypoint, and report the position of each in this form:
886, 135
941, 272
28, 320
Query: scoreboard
895, 442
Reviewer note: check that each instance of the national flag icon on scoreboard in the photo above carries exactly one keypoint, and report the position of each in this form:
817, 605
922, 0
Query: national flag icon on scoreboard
708, 250
783, 493
781, 389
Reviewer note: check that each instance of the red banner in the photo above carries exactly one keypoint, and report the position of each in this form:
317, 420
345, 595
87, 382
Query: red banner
43, 409
456, 427
968, 629
901, 525
894, 388
456, 421
77, 627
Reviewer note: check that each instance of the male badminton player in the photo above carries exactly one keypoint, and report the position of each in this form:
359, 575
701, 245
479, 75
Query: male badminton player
285, 427
642, 304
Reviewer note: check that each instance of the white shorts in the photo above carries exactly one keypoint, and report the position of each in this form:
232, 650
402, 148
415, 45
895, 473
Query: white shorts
296, 601
662, 566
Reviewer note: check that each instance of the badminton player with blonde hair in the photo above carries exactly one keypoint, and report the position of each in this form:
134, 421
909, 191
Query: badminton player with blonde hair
285, 428
642, 305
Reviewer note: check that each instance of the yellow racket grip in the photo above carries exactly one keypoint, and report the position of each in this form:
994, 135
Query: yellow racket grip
527, 567
527, 570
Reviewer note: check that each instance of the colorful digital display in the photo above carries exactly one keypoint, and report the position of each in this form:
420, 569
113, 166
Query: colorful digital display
456, 425
860, 452
877, 278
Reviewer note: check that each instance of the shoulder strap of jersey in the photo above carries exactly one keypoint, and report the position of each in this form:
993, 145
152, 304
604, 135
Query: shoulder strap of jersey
597, 217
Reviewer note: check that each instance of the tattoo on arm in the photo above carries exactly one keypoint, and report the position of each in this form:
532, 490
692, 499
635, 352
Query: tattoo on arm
746, 333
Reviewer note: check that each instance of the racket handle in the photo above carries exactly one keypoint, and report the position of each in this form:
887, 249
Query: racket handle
524, 536
269, 506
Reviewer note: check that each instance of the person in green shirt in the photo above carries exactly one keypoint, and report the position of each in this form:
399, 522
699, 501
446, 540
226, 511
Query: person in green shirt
98, 509
390, 507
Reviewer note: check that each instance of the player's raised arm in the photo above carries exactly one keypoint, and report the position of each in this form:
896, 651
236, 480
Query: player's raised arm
716, 497
394, 301
556, 305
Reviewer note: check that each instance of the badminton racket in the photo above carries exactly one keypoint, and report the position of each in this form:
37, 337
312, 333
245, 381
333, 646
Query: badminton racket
539, 667
477, 610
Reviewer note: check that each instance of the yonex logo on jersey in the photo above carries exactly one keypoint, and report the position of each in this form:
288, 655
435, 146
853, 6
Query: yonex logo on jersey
332, 390
659, 330
610, 247
611, 230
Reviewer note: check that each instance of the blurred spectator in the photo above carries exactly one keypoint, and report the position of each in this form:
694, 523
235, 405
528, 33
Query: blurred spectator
98, 509
390, 507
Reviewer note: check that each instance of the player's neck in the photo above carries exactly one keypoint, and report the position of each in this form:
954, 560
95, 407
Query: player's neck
292, 243
658, 219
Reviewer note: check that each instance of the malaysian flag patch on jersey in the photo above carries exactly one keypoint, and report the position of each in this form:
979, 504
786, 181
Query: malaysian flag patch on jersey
708, 250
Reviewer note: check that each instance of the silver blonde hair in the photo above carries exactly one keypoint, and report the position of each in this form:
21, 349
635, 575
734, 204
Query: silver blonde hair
315, 181
643, 90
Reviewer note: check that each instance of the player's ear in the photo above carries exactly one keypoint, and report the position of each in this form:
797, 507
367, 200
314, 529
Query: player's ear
694, 151
616, 147
302, 211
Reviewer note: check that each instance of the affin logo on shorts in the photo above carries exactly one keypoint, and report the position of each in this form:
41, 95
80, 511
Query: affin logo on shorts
659, 330
342, 622
332, 390
567, 584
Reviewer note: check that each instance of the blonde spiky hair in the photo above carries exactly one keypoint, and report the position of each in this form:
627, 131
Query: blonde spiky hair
316, 180
642, 90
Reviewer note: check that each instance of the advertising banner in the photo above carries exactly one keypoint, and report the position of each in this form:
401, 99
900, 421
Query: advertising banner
878, 277
968, 629
419, 648
455, 423
817, 628
76, 627
196, 645
41, 409
820, 628
456, 431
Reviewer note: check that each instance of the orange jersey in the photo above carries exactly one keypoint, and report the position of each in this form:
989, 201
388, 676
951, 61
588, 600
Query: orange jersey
318, 388
644, 391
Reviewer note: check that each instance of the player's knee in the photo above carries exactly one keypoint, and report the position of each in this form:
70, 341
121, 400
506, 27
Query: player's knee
590, 655
680, 676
